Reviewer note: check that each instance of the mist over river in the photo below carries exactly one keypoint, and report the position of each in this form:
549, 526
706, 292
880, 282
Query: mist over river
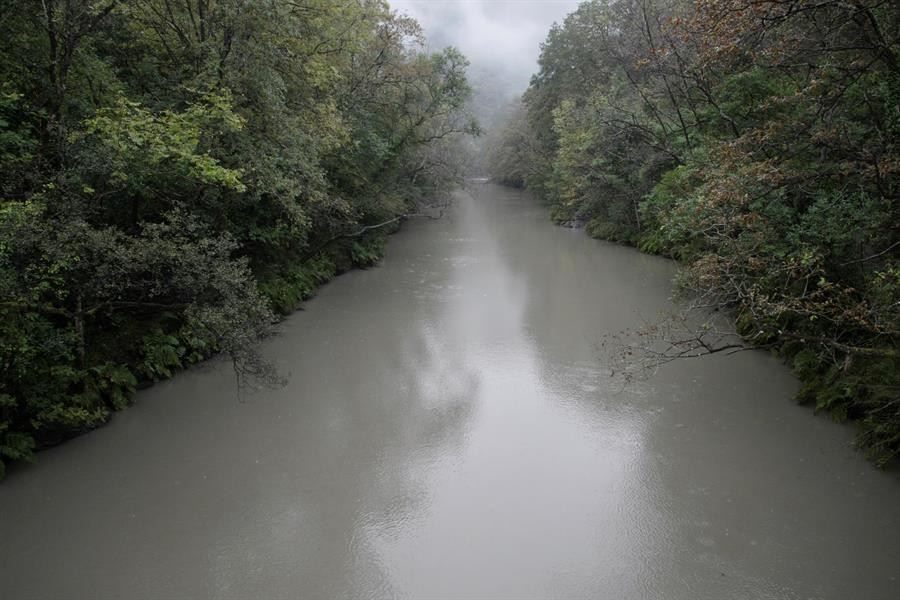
448, 431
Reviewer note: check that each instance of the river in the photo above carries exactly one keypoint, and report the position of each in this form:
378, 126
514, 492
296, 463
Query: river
448, 431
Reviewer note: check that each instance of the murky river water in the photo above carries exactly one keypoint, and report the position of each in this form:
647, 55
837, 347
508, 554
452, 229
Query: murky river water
448, 432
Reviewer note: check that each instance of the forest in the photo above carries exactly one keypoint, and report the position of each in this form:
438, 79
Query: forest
756, 141
175, 174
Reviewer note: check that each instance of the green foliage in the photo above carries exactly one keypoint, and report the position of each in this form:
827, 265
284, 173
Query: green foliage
17, 146
168, 169
605, 230
163, 354
111, 383
134, 143
368, 252
668, 211
296, 282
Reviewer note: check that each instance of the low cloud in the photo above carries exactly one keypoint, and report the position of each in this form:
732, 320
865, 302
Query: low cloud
501, 37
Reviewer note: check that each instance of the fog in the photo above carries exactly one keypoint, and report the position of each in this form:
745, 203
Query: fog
501, 38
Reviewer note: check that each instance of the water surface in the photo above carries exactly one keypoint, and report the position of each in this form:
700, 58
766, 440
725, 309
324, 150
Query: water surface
448, 432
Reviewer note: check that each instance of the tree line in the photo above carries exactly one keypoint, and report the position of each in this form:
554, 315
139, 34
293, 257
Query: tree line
174, 173
757, 142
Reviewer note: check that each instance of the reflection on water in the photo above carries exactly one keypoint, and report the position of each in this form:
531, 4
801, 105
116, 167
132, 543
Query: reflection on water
448, 432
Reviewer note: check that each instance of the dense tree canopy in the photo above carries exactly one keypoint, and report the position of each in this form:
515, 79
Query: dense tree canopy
174, 172
756, 140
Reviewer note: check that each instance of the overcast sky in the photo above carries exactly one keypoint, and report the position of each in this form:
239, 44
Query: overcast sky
498, 36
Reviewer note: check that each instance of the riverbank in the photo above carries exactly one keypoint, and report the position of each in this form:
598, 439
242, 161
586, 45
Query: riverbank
683, 129
141, 353
839, 387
